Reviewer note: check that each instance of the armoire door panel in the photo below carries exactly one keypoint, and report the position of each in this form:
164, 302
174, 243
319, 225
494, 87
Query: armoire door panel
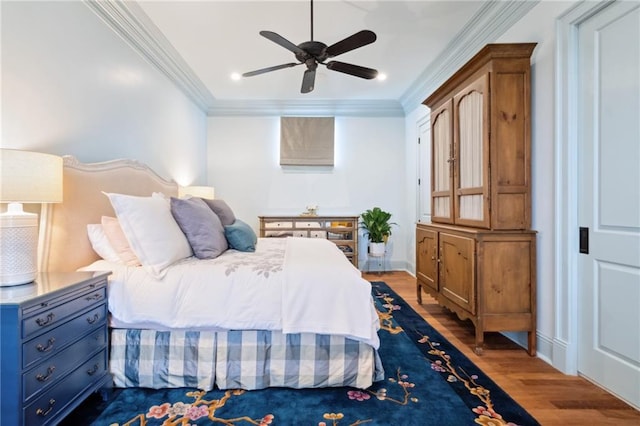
457, 270
427, 258
471, 154
442, 167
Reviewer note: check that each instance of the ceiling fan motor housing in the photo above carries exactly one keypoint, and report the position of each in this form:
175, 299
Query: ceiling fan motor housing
316, 49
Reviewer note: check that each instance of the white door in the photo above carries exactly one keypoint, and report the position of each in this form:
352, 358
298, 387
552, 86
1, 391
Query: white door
609, 199
424, 170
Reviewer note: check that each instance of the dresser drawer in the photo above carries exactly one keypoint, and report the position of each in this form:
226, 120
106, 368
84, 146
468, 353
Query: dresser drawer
278, 225
47, 373
56, 339
44, 409
52, 317
308, 225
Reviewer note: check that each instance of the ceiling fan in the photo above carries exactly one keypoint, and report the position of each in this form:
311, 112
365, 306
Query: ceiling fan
311, 53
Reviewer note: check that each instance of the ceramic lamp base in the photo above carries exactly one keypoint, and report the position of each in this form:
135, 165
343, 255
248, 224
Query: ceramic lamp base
18, 248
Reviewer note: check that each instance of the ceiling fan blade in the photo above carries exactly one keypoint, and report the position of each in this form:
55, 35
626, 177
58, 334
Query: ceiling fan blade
268, 69
359, 39
355, 70
278, 39
308, 81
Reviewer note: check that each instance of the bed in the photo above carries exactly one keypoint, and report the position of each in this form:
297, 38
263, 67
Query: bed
292, 313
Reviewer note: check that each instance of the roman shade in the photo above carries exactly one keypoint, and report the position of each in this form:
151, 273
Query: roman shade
306, 141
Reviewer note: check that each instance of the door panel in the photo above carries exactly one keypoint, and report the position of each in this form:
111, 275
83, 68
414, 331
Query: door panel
426, 259
457, 270
609, 199
471, 156
441, 174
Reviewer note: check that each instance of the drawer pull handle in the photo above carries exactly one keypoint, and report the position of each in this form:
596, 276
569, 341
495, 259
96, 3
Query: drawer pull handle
93, 370
96, 296
45, 377
95, 318
42, 412
47, 348
42, 322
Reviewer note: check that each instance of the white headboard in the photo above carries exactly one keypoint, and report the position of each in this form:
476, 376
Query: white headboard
64, 245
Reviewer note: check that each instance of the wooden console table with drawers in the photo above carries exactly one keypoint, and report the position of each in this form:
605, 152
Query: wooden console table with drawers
341, 230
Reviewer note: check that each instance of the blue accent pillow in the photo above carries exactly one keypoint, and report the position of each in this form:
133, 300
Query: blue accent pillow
240, 236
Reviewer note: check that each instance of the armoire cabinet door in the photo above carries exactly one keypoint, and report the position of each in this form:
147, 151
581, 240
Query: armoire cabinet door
427, 258
471, 154
442, 170
457, 270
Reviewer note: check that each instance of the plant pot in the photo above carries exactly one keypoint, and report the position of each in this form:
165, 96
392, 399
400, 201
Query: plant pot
377, 249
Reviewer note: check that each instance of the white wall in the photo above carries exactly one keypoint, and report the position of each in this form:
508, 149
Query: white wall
243, 166
537, 26
70, 85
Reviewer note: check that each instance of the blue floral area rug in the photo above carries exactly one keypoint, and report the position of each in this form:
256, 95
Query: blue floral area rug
428, 382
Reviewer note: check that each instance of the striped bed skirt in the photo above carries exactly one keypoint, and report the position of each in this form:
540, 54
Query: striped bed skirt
253, 359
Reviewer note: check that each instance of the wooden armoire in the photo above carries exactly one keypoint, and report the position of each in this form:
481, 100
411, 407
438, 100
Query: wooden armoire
477, 257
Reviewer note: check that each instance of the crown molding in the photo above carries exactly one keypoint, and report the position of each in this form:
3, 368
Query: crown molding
492, 20
273, 107
129, 21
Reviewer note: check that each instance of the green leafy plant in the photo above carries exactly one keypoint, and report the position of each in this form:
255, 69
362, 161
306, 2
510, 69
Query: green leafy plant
376, 225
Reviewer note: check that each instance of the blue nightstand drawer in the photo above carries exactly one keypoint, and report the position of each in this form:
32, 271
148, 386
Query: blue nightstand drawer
55, 340
53, 400
58, 366
49, 318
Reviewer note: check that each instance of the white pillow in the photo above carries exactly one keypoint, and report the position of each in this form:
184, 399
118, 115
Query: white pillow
100, 243
151, 230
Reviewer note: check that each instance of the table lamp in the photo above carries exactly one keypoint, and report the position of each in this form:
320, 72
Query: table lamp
196, 191
25, 177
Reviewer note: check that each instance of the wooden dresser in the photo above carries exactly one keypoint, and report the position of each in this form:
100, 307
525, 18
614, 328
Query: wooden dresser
341, 230
54, 349
478, 256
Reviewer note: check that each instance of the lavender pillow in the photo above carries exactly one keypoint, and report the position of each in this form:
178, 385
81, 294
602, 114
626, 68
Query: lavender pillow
201, 226
223, 211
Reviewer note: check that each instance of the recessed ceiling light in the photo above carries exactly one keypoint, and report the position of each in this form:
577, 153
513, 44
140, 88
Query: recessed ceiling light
235, 76
381, 76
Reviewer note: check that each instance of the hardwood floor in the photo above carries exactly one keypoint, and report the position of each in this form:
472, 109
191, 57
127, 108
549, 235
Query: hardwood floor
550, 396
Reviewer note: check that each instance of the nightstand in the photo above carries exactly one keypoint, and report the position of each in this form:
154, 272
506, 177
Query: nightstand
54, 348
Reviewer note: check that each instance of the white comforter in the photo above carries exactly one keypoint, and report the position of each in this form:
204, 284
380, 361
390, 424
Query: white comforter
293, 284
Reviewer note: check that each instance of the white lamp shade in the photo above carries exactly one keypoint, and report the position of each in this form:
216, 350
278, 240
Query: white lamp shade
197, 191
25, 177
30, 177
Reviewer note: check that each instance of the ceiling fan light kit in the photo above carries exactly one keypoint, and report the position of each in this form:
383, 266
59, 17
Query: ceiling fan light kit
311, 53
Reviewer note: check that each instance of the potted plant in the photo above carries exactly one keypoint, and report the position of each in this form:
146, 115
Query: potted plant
377, 227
